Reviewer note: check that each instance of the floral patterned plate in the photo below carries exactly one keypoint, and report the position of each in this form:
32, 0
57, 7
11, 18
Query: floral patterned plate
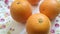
9, 26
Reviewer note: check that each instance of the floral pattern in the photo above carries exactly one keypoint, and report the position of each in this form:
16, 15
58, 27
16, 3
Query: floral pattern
7, 22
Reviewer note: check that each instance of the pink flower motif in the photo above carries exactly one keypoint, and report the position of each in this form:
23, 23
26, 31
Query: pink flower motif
6, 1
8, 14
57, 20
2, 20
52, 31
3, 26
8, 7
56, 25
12, 29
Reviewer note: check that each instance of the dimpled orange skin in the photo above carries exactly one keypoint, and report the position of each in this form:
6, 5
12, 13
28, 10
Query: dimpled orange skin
33, 2
20, 10
38, 24
49, 8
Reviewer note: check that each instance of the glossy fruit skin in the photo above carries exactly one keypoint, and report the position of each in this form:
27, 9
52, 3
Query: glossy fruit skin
20, 10
38, 24
49, 8
33, 2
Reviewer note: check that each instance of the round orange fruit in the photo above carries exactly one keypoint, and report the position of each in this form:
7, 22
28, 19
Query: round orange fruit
20, 10
38, 24
33, 2
49, 8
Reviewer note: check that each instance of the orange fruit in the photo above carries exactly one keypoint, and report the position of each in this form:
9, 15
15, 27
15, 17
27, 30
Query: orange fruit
20, 10
33, 2
38, 24
58, 6
49, 8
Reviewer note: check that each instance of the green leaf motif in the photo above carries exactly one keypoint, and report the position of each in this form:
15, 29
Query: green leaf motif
9, 32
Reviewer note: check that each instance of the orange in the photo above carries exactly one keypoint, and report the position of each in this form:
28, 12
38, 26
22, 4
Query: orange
58, 5
33, 2
49, 8
38, 24
20, 10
